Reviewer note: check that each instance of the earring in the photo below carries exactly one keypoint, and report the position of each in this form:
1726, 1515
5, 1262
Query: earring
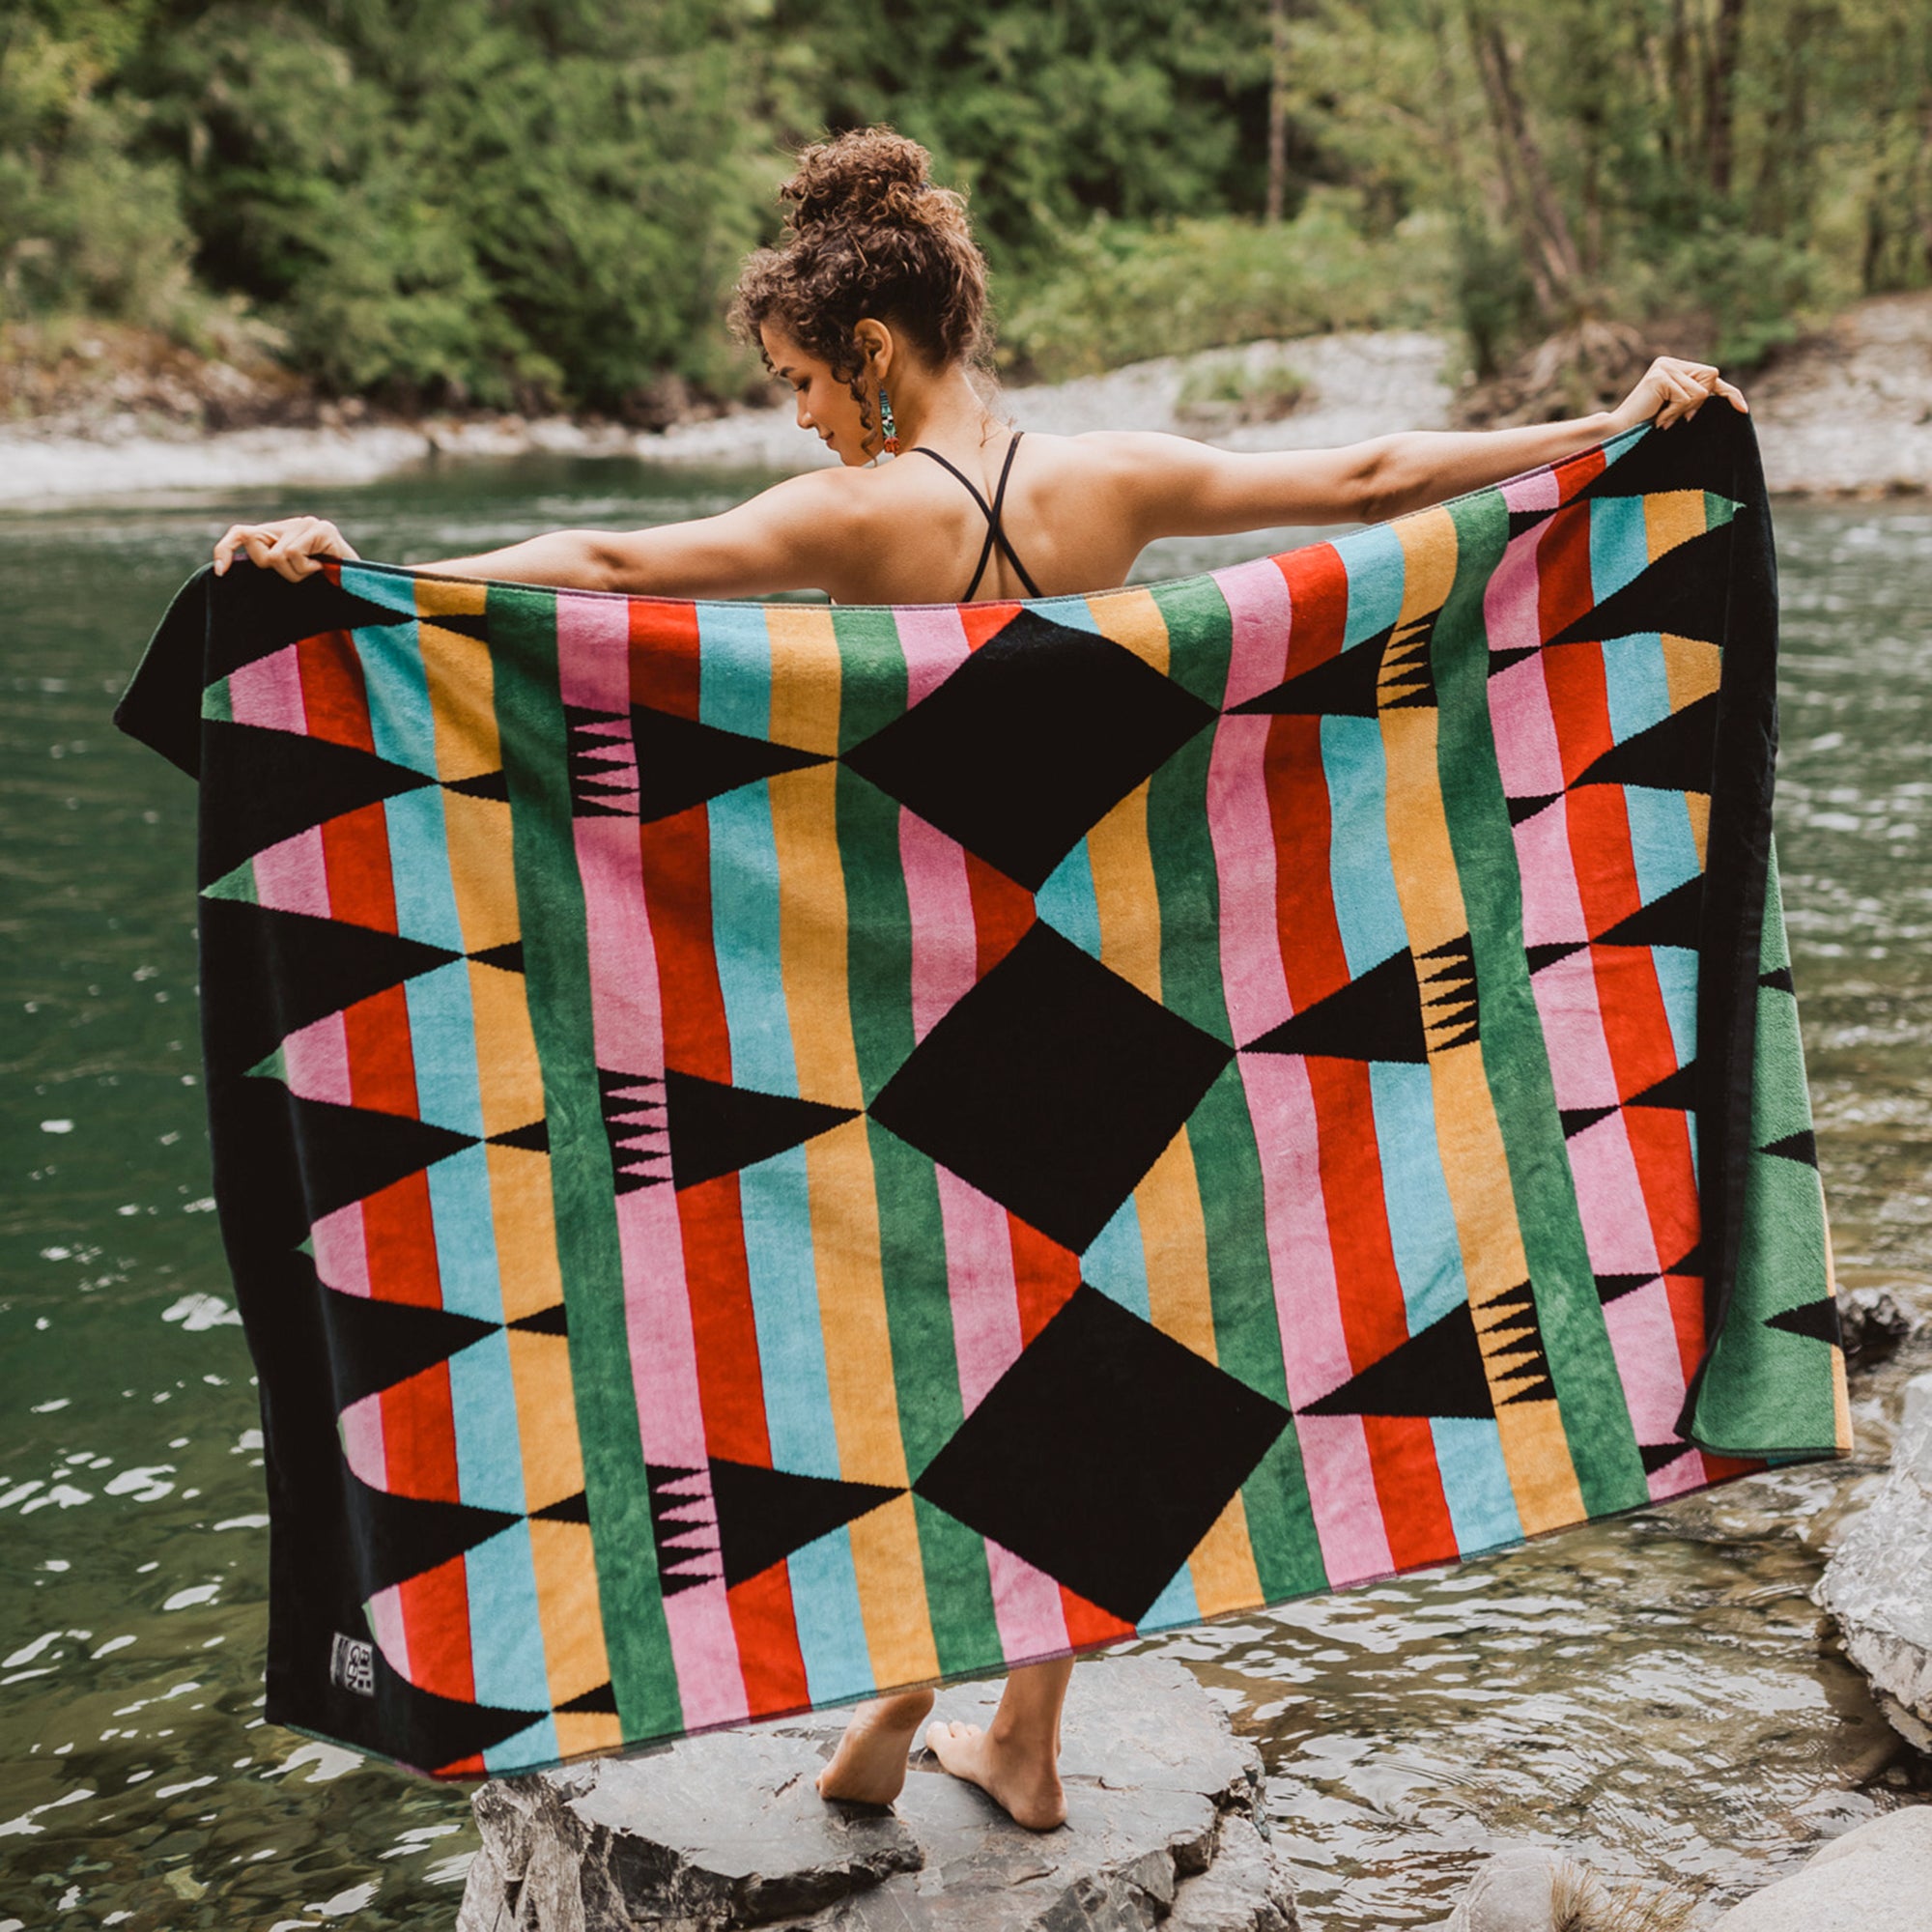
887, 425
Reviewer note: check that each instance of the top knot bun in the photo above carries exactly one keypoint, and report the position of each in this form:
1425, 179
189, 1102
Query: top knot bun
872, 178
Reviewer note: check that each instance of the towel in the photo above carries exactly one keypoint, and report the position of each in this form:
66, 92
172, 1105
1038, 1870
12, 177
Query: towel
772, 1152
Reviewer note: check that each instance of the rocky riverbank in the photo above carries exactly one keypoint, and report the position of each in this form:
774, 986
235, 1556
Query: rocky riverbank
1848, 411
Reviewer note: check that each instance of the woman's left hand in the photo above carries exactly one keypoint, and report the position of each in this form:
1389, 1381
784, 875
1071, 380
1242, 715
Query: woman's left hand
1673, 389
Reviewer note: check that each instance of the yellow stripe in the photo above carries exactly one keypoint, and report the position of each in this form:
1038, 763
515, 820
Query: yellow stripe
840, 1186
461, 702
1132, 620
1672, 517
545, 1417
1692, 669
1124, 892
572, 1624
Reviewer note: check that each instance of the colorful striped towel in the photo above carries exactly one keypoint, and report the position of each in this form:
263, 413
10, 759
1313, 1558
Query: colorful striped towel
771, 1152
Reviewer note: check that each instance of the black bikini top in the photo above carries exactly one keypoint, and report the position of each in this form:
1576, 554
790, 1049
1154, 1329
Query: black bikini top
995, 529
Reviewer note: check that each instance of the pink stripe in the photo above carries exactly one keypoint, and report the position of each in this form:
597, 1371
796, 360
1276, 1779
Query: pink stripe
1552, 908
945, 942
593, 652
269, 693
1573, 1034
980, 1284
292, 875
628, 1026
1687, 1472
342, 1251
1537, 490
362, 1424
1644, 1339
935, 646
317, 1060
1527, 752
704, 1652
1026, 1607
388, 1628
1609, 1200
1281, 1105
1258, 601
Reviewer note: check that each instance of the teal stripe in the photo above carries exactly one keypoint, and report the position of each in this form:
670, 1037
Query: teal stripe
1361, 874
489, 1450
419, 866
1177, 1606
1636, 684
1664, 846
506, 1651
1116, 1263
401, 724
1376, 571
1068, 902
1619, 544
1475, 1482
535, 1743
442, 1041
392, 588
465, 1234
1421, 1222
744, 940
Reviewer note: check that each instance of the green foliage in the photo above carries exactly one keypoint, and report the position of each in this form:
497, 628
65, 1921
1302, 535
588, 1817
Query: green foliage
1117, 291
544, 202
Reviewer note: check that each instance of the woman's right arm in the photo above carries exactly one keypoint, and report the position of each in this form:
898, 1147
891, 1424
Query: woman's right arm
790, 537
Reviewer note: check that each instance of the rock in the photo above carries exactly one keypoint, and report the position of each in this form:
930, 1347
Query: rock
1873, 1326
1875, 1879
1878, 1585
728, 1830
1524, 1888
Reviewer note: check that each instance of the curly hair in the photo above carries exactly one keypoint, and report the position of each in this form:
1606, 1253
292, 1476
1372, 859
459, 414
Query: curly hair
868, 233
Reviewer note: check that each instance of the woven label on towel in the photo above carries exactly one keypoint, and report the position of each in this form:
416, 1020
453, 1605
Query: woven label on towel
770, 1153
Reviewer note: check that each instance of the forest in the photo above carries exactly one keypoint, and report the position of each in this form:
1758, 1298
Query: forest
541, 202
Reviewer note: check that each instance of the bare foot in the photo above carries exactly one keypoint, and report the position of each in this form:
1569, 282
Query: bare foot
1024, 1784
869, 1765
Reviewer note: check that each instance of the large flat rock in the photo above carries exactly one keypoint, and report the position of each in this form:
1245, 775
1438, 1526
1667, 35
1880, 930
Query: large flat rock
725, 1832
1878, 1585
1875, 1879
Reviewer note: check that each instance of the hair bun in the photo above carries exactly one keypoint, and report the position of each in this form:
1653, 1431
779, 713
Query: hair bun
871, 177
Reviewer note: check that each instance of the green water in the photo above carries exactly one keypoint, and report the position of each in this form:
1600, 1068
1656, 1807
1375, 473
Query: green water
1652, 1694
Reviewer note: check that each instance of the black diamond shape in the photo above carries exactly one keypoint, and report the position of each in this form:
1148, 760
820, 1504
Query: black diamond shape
1030, 743
1104, 1454
1053, 1086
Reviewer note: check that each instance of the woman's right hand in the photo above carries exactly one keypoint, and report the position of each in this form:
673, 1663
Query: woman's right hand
291, 547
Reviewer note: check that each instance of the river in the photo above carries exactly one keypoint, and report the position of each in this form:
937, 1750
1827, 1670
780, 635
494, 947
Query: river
1652, 1694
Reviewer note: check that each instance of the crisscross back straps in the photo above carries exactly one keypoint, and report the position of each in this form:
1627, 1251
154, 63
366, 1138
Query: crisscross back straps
993, 512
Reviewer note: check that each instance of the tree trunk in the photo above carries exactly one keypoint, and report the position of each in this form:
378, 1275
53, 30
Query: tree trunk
1542, 230
1277, 175
1720, 89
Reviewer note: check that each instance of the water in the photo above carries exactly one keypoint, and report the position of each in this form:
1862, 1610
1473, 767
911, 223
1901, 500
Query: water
1653, 1693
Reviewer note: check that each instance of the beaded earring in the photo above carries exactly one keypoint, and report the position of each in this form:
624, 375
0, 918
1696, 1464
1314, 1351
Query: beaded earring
887, 425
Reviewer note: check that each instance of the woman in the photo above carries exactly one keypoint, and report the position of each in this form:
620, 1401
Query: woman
874, 311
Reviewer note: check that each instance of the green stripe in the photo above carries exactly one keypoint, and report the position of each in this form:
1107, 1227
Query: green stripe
1596, 1420
557, 960
1227, 1163
912, 1238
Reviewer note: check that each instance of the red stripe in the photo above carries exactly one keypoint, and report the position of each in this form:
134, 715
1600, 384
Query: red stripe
355, 857
1088, 1623
333, 693
1601, 858
1574, 471
675, 855
768, 1650
985, 622
664, 657
1044, 1275
1002, 912
730, 1383
382, 1057
1580, 704
1317, 589
436, 1626
419, 1437
399, 1233
1563, 591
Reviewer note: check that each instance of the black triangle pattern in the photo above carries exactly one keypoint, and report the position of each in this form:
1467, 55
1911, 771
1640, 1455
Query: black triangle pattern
601, 1702
550, 1320
1578, 1120
404, 1536
1388, 671
350, 1153
1513, 1338
374, 1344
1802, 1145
1674, 919
634, 1118
1779, 977
261, 613
1448, 973
684, 1528
680, 762
1529, 804
1674, 755
717, 1130
1615, 1287
1675, 1091
1684, 592
1437, 1371
1408, 681
764, 1514
507, 957
1512, 654
1818, 1319
1660, 1455
1377, 1016
533, 1137
287, 785
566, 1509
1551, 951
603, 763
482, 785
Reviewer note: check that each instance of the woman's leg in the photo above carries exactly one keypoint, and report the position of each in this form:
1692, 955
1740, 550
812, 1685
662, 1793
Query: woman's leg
869, 1765
1016, 1760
